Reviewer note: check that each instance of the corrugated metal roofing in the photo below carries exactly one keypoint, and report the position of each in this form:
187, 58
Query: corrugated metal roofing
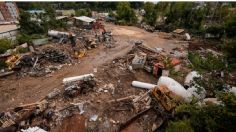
85, 19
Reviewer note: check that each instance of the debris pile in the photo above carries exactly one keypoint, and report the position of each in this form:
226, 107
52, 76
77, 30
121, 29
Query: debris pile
38, 63
22, 116
141, 88
53, 55
108, 39
45, 114
147, 27
88, 42
81, 87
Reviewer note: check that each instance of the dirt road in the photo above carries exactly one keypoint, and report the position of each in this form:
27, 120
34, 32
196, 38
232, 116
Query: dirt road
30, 89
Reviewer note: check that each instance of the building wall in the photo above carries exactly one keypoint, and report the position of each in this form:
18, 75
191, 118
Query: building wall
9, 11
12, 8
9, 34
8, 31
4, 10
1, 17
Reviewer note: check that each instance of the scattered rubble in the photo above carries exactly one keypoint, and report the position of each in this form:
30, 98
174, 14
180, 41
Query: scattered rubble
33, 129
93, 118
81, 87
147, 27
53, 55
104, 100
3, 74
53, 94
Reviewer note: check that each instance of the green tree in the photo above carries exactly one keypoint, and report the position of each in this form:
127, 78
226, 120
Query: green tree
230, 27
83, 12
216, 29
5, 44
229, 49
211, 118
180, 126
180, 13
28, 26
150, 13
24, 38
125, 14
111, 14
49, 20
136, 5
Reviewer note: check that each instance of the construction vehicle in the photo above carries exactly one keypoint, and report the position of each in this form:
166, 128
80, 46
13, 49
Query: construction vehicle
98, 25
13, 60
103, 36
164, 101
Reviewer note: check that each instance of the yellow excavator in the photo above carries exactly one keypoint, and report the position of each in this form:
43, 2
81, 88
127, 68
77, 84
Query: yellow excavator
13, 60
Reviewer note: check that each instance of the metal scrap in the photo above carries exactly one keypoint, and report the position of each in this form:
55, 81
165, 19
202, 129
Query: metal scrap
21, 113
6, 73
72, 90
53, 55
121, 99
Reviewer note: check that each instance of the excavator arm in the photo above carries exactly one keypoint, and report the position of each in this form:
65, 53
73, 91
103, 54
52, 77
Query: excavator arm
98, 25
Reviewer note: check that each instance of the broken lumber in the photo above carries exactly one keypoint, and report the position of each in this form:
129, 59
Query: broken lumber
35, 62
141, 97
6, 73
121, 99
133, 118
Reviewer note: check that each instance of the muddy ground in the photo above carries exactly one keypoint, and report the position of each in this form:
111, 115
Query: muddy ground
16, 91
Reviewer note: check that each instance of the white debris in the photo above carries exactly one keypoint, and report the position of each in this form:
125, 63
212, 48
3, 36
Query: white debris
233, 90
95, 70
189, 78
143, 85
93, 118
175, 87
105, 91
77, 78
194, 89
187, 36
159, 50
130, 68
199, 93
58, 34
81, 107
33, 129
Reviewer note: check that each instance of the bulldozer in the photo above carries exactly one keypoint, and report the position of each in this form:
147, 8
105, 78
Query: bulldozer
13, 60
164, 100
